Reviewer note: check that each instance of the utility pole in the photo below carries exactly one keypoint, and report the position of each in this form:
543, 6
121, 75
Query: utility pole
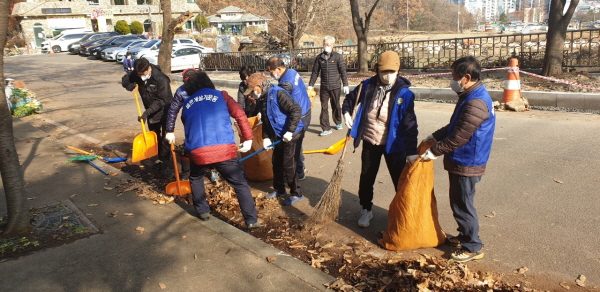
458, 16
406, 15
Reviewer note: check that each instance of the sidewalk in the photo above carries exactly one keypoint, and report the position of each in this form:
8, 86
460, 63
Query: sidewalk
175, 249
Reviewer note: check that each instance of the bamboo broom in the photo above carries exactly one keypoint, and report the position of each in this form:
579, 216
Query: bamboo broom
329, 205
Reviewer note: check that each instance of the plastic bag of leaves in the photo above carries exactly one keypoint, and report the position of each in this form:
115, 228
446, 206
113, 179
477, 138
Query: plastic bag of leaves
24, 103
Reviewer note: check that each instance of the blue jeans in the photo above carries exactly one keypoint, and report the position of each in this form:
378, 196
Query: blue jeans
231, 171
462, 198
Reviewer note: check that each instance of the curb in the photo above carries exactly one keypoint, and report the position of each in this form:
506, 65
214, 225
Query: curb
571, 100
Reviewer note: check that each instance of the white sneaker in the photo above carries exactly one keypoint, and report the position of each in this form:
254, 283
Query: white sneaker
365, 218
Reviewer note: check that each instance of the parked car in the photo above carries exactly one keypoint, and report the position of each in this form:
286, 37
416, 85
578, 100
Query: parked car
83, 48
96, 51
120, 55
110, 54
74, 47
176, 43
61, 42
182, 58
145, 47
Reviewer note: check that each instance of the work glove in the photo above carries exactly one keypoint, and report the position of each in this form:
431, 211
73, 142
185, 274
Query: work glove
348, 120
246, 146
266, 143
310, 88
411, 159
259, 115
287, 137
144, 116
428, 155
430, 137
346, 90
170, 137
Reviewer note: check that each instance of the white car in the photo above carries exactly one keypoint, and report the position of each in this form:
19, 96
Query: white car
61, 42
110, 54
182, 58
177, 43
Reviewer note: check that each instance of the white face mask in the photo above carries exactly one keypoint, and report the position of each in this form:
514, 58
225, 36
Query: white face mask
455, 85
388, 78
275, 76
145, 77
327, 49
255, 94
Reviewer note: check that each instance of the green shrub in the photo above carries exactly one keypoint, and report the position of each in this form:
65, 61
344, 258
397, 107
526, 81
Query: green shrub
201, 22
122, 27
136, 27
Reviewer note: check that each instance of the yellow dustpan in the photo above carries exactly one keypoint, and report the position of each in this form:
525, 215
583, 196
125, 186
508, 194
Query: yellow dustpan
144, 145
333, 149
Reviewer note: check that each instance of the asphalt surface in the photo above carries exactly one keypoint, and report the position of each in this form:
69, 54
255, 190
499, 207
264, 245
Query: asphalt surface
541, 181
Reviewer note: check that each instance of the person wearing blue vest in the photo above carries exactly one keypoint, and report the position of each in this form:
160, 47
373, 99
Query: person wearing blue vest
210, 142
291, 81
466, 143
386, 123
282, 120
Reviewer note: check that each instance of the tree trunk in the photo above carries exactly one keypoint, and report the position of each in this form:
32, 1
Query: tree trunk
10, 169
169, 26
555, 38
362, 30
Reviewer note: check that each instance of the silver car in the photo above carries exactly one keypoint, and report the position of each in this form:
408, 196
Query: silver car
110, 54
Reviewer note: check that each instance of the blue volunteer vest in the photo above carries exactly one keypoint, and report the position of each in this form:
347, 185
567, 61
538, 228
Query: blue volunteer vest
299, 93
395, 139
477, 151
278, 119
206, 120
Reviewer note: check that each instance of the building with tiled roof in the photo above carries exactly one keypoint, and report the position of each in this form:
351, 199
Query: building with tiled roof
236, 21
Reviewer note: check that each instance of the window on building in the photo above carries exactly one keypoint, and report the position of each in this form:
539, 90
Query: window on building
119, 2
191, 1
144, 2
93, 2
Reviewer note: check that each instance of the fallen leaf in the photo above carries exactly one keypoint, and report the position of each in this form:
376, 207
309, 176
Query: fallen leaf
73, 195
522, 270
140, 229
66, 217
33, 198
580, 281
183, 237
127, 214
491, 216
162, 286
228, 251
92, 205
114, 214
195, 256
271, 259
558, 181
564, 285
108, 188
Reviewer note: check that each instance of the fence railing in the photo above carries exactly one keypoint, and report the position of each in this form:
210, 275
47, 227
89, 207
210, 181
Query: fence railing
581, 49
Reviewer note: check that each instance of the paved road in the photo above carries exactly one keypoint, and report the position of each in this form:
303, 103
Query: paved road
541, 182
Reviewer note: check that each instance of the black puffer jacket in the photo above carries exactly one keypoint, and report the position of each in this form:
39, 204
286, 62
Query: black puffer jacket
332, 70
155, 93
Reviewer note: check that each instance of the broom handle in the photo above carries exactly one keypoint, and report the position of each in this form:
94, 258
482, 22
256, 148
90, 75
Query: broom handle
353, 113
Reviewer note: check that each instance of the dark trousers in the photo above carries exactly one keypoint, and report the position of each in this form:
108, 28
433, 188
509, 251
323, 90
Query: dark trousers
370, 161
332, 96
231, 171
462, 197
164, 149
285, 161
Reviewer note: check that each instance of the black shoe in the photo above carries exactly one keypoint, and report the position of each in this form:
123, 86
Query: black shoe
453, 241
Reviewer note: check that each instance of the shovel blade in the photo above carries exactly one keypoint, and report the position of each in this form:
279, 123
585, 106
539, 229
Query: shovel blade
144, 146
179, 188
335, 148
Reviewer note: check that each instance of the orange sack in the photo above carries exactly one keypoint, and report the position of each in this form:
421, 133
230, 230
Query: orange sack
413, 216
260, 166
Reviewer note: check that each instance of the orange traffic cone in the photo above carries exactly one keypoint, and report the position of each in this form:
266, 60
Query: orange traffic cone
512, 84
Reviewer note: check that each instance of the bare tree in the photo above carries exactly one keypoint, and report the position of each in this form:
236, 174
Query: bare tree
555, 38
361, 27
169, 26
296, 14
10, 169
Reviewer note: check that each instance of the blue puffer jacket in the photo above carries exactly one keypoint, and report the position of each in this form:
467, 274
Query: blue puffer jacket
402, 121
298, 92
206, 119
477, 151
